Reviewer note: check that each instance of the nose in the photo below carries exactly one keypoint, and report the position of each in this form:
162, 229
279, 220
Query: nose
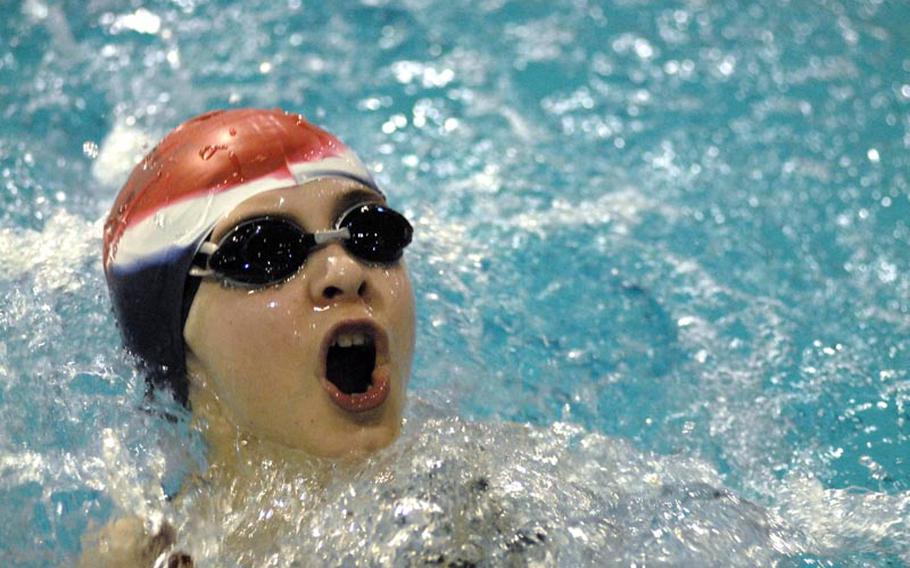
338, 277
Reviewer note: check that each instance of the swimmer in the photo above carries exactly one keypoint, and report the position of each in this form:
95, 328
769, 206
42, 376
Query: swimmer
256, 274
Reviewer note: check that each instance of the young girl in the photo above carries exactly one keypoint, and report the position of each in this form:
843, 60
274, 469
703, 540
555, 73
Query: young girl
256, 273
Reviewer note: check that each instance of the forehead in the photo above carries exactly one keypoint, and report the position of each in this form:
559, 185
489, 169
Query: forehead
314, 205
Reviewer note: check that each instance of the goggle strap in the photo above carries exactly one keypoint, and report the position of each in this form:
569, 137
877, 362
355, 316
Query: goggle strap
323, 237
208, 248
201, 272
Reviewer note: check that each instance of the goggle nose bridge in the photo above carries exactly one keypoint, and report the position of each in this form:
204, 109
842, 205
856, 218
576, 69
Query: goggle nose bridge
341, 234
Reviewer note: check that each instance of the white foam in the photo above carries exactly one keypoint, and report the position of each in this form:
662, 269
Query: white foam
452, 491
838, 519
53, 256
122, 148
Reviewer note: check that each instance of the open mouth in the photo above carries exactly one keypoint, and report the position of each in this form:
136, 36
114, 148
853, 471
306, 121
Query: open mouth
356, 374
350, 362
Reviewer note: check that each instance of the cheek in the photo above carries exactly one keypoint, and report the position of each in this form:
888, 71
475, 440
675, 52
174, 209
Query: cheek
250, 322
250, 331
253, 350
397, 287
402, 315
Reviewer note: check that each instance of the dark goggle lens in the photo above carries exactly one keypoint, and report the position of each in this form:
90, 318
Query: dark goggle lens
269, 250
262, 251
378, 234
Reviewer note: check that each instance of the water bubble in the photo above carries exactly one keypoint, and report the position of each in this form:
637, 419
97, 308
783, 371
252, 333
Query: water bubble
686, 321
371, 103
643, 49
173, 58
141, 21
395, 122
727, 66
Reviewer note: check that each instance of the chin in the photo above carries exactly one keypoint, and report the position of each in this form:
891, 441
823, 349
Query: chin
363, 440
361, 432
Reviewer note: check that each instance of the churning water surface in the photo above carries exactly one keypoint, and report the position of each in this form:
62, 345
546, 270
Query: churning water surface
662, 265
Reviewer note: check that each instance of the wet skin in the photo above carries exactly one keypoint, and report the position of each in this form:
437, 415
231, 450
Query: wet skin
256, 358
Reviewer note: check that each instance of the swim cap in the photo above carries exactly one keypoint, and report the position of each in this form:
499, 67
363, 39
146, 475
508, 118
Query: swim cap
171, 202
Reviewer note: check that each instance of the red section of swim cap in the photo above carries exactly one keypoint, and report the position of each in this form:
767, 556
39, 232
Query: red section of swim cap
215, 152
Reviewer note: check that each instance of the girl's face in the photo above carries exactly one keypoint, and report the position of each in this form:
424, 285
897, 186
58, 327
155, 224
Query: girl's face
319, 362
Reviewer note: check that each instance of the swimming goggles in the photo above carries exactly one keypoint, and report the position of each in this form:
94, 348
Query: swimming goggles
268, 250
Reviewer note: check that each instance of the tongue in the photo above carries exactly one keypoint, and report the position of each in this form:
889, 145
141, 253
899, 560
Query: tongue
349, 368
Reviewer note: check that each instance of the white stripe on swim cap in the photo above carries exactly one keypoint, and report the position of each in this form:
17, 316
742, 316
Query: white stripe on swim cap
185, 223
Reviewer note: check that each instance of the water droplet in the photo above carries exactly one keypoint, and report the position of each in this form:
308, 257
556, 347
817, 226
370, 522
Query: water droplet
235, 161
643, 49
90, 149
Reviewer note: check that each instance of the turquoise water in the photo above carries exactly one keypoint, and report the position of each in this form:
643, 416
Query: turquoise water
671, 237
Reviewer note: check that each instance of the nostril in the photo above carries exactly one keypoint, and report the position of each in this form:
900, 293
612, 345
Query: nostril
362, 290
331, 291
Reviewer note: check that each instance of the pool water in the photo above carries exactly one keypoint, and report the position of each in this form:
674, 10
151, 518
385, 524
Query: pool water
662, 265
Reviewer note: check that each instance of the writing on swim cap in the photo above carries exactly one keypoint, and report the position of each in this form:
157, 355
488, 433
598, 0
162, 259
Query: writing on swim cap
174, 197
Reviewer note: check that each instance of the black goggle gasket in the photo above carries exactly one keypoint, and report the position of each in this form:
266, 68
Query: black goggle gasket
255, 253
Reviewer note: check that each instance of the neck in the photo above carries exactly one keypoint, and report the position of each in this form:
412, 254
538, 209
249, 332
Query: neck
236, 456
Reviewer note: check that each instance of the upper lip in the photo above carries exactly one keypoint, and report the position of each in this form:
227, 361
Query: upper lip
362, 325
